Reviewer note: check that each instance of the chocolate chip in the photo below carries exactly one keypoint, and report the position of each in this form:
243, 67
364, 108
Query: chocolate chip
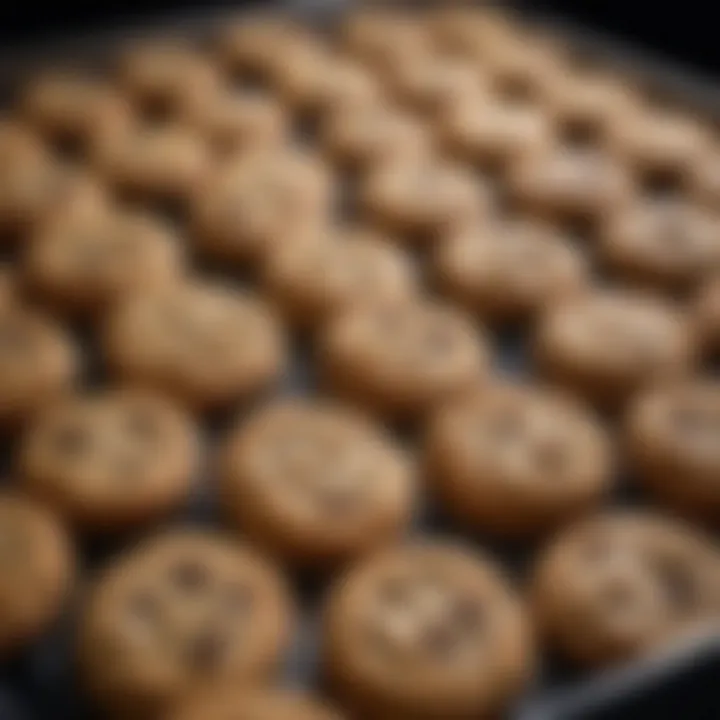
144, 607
71, 440
468, 616
189, 575
207, 651
441, 639
678, 583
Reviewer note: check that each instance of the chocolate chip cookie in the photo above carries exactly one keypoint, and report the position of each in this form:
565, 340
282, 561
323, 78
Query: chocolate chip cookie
207, 345
423, 631
181, 612
110, 460
36, 571
315, 483
621, 585
401, 360
515, 461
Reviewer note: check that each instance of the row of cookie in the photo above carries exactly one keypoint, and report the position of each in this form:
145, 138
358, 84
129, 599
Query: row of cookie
420, 630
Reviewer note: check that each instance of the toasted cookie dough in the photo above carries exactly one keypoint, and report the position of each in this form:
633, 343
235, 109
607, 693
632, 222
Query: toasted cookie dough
249, 207
252, 704
110, 460
707, 315
673, 440
516, 461
313, 280
38, 362
207, 345
87, 262
508, 269
178, 613
621, 585
420, 198
608, 344
315, 483
401, 360
37, 568
428, 630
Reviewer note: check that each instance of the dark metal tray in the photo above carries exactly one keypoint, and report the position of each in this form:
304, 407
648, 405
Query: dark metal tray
679, 684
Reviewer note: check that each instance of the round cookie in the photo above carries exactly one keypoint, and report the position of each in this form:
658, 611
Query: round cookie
180, 612
363, 138
207, 345
673, 441
87, 262
418, 199
507, 270
312, 281
619, 586
515, 461
37, 568
665, 245
706, 311
315, 484
252, 704
38, 362
401, 360
252, 205
608, 344
424, 631
110, 460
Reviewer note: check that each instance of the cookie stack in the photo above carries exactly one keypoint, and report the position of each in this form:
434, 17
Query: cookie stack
281, 269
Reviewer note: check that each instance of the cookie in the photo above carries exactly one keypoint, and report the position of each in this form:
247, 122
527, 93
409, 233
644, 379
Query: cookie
401, 360
37, 568
253, 704
313, 280
506, 270
517, 461
363, 138
70, 109
426, 630
673, 432
315, 484
608, 344
38, 362
706, 311
163, 77
110, 460
181, 611
665, 245
622, 585
419, 199
207, 345
88, 261
247, 208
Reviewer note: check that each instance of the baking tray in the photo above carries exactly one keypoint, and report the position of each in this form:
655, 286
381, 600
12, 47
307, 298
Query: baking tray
678, 684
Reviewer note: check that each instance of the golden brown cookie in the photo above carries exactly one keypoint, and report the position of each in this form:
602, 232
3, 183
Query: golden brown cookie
621, 585
315, 483
86, 262
423, 631
258, 202
313, 280
673, 440
252, 704
38, 362
516, 461
207, 345
37, 568
664, 244
181, 611
401, 360
508, 269
110, 460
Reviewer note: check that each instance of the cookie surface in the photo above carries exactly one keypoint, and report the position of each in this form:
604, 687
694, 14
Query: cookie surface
516, 461
426, 630
621, 585
401, 360
315, 483
110, 460
608, 344
180, 611
206, 345
37, 569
